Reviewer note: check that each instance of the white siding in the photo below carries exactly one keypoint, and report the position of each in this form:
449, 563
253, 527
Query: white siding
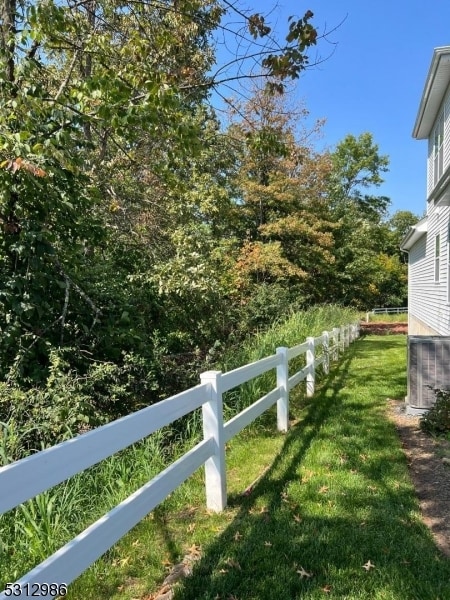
428, 300
430, 167
447, 129
444, 112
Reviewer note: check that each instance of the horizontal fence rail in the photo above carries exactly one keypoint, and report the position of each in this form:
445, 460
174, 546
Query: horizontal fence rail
45, 469
243, 374
402, 309
26, 478
386, 311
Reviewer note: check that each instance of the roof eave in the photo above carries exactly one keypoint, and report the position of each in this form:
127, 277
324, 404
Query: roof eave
415, 233
433, 92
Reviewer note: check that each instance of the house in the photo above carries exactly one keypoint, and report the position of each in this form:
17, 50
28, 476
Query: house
427, 242
428, 245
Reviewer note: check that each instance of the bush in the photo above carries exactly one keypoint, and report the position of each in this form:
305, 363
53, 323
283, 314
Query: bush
268, 304
69, 403
437, 419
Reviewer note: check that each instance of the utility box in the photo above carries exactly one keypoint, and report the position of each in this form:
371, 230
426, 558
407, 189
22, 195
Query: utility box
428, 369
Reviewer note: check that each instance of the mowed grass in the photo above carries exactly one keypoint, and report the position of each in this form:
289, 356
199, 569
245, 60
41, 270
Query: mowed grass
139, 562
337, 496
332, 515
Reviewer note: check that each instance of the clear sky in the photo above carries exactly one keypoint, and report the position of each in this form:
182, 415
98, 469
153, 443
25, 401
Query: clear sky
373, 79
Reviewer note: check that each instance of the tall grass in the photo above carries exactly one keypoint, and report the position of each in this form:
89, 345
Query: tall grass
290, 332
387, 318
37, 528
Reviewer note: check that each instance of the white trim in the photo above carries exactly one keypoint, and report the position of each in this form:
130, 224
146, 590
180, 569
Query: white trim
435, 88
414, 233
448, 263
437, 258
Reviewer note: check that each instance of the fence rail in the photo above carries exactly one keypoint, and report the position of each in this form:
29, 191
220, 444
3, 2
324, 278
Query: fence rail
26, 478
401, 309
386, 311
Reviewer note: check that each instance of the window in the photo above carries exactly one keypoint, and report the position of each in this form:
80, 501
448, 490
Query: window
438, 149
437, 256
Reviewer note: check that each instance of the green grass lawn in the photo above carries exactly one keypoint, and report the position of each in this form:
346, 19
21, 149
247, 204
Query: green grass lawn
336, 497
334, 514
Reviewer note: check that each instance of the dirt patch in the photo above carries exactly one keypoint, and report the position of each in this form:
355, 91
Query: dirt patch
383, 328
428, 461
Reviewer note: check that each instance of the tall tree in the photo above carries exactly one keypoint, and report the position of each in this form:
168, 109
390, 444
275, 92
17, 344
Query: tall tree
358, 166
359, 234
282, 182
398, 225
89, 91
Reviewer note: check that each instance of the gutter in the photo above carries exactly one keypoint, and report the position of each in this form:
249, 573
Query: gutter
414, 233
437, 54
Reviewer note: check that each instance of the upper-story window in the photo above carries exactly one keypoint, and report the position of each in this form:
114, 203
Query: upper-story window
438, 149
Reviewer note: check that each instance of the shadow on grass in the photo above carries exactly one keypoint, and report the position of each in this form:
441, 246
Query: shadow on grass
287, 524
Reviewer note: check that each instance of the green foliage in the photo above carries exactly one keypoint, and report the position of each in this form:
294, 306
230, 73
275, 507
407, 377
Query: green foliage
287, 331
37, 528
69, 403
350, 470
137, 241
88, 86
292, 60
437, 419
265, 306
358, 165
398, 225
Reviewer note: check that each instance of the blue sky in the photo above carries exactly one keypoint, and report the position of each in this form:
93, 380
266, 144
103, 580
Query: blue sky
373, 79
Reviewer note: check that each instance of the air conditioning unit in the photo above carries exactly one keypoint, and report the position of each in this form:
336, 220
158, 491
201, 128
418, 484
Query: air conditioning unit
428, 369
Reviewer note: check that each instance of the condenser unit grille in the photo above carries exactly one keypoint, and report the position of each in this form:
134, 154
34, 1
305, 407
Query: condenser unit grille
428, 368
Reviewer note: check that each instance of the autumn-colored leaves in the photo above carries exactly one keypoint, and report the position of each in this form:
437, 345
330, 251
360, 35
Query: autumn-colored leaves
19, 163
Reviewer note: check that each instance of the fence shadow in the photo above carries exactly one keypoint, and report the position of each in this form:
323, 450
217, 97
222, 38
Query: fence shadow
270, 539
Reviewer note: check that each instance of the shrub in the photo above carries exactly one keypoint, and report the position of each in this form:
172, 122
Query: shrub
269, 303
437, 419
69, 403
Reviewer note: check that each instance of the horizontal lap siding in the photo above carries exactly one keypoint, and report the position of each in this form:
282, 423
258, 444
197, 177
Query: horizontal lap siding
428, 299
447, 130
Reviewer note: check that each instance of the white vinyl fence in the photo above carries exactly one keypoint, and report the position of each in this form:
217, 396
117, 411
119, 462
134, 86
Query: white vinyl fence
24, 479
386, 311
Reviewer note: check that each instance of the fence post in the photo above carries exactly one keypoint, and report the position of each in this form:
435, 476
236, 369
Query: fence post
311, 376
335, 343
326, 352
346, 336
215, 467
283, 383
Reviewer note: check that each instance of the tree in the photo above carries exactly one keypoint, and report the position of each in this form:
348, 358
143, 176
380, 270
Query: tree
282, 182
88, 92
358, 166
359, 236
398, 225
